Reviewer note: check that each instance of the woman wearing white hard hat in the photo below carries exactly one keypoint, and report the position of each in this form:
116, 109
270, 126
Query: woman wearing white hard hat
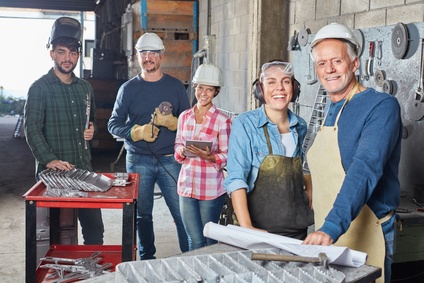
265, 179
200, 183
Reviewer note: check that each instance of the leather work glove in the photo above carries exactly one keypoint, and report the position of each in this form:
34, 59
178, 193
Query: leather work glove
169, 120
147, 132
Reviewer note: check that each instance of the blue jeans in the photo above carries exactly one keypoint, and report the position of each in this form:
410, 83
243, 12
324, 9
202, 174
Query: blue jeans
165, 173
389, 231
195, 214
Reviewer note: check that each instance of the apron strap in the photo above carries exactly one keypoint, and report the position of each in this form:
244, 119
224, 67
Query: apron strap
268, 142
385, 218
349, 97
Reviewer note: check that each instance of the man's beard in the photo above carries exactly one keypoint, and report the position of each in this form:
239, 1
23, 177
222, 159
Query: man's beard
152, 68
63, 71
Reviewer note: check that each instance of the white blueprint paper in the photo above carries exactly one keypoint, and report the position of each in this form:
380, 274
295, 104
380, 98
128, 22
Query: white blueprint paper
253, 239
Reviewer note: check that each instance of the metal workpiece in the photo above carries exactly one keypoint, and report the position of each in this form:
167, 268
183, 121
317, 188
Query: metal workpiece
74, 183
234, 266
69, 270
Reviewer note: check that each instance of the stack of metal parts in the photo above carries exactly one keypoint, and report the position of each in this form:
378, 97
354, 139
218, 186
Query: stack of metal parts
73, 183
224, 267
69, 270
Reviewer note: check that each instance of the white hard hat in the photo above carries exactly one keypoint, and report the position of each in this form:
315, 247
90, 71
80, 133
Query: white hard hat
208, 74
335, 30
149, 41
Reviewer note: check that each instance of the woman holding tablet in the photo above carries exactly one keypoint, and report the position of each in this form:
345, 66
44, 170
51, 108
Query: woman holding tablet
201, 146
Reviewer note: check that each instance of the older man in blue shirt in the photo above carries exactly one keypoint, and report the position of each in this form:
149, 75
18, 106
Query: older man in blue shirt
355, 156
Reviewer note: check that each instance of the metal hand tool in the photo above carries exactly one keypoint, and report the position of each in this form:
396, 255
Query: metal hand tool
419, 93
418, 203
87, 122
321, 259
368, 63
379, 52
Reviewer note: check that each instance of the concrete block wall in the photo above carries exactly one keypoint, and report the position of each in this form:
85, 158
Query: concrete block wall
355, 14
229, 22
234, 22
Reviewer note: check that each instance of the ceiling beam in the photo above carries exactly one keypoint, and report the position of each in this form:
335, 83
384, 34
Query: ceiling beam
63, 5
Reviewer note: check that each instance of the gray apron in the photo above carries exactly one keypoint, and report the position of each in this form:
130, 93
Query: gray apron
278, 203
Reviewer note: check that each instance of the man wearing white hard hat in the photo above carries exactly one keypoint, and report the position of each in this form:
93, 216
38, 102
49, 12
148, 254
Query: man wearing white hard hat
145, 114
355, 156
200, 184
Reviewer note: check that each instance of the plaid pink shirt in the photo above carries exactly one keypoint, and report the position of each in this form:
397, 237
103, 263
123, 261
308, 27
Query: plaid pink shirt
199, 178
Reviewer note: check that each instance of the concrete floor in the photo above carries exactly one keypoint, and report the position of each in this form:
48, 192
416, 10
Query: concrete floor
17, 177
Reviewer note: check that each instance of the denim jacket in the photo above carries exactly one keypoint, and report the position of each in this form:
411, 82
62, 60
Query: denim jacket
248, 147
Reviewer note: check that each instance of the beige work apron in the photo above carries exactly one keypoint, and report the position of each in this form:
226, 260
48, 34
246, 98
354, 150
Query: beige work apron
365, 232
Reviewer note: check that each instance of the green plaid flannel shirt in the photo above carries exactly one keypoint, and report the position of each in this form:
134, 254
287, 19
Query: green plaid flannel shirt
55, 118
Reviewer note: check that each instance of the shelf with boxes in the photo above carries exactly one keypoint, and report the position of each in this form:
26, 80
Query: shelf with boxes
175, 22
105, 92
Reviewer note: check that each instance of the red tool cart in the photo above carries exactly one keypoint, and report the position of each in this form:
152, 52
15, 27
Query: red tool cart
117, 197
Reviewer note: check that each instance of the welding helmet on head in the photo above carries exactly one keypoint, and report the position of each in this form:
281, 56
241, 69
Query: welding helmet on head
208, 74
338, 31
65, 27
149, 41
284, 67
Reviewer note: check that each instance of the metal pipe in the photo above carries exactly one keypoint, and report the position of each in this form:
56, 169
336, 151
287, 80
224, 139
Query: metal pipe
208, 22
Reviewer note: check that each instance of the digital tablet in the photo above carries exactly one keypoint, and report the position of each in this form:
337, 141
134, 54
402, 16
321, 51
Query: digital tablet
200, 144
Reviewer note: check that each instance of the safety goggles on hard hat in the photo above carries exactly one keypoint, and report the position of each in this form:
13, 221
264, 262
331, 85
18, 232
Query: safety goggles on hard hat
284, 67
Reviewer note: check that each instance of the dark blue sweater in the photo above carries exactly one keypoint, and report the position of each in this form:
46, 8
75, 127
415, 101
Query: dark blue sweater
136, 102
369, 137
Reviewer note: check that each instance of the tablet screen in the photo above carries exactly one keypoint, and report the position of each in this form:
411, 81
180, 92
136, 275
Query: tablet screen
200, 144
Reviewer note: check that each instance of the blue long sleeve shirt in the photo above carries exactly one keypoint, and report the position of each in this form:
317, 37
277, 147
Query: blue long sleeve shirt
248, 147
136, 102
369, 137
